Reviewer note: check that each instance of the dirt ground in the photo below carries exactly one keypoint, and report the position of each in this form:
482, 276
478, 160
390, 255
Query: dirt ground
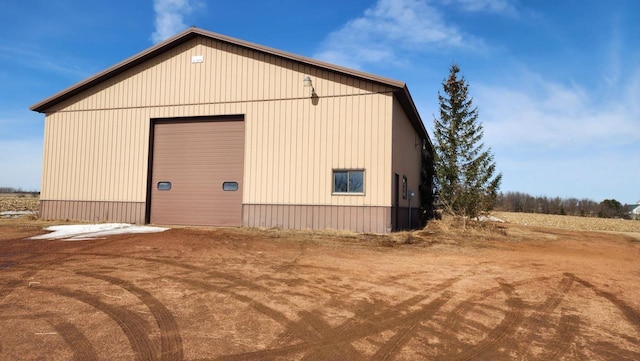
503, 292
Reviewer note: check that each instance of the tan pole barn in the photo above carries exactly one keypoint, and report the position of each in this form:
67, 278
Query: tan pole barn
204, 129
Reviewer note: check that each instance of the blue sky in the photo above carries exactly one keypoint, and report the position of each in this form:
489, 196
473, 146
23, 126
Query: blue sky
557, 83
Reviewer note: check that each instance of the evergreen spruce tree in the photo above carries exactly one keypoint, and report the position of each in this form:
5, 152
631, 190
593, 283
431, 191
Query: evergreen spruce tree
465, 171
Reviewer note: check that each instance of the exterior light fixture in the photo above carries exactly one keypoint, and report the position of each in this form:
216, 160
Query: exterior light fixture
307, 84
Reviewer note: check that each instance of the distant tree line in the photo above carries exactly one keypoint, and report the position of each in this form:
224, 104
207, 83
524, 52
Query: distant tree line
16, 190
525, 203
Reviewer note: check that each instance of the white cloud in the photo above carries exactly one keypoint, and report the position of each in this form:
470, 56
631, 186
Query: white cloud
170, 16
540, 114
390, 28
561, 140
505, 7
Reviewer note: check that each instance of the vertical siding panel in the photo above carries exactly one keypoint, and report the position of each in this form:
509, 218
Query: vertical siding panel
309, 223
86, 139
137, 184
61, 159
66, 155
264, 164
224, 78
252, 153
388, 110
351, 151
316, 150
49, 158
277, 191
110, 159
270, 150
280, 217
286, 151
57, 159
44, 176
294, 154
104, 180
116, 155
320, 221
126, 153
200, 74
217, 79
265, 215
368, 144
71, 154
207, 77
183, 70
327, 142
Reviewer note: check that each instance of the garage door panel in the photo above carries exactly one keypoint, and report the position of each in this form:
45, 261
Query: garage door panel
197, 158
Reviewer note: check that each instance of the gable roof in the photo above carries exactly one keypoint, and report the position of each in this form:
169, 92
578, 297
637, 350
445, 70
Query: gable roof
400, 88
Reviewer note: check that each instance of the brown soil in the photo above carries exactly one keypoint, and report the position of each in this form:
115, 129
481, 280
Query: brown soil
490, 292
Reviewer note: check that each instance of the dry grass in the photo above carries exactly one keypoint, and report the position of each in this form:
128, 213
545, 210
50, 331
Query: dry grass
456, 230
19, 203
571, 222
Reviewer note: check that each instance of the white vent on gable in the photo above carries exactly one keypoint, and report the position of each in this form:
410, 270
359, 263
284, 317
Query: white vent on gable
197, 59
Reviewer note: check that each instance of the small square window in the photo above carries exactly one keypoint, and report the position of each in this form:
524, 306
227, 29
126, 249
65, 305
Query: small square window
348, 181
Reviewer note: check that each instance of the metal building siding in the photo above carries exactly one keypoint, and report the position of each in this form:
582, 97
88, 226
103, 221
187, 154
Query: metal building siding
97, 141
94, 156
197, 157
407, 153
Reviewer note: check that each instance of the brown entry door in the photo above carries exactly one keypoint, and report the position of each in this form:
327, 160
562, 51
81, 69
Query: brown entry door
197, 171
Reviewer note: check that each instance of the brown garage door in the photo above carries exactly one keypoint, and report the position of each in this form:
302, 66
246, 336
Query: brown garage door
197, 172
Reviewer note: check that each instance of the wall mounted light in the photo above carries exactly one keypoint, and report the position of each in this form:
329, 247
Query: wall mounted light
307, 84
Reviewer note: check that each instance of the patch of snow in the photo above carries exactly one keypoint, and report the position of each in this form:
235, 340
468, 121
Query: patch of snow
15, 214
488, 219
82, 232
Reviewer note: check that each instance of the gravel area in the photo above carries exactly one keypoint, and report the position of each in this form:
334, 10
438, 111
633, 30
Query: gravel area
571, 222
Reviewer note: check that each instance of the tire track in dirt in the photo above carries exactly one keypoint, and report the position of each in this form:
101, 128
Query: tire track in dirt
394, 317
366, 322
553, 301
133, 326
298, 330
170, 339
567, 327
77, 341
37, 265
338, 351
513, 316
564, 336
629, 313
392, 347
301, 331
235, 280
